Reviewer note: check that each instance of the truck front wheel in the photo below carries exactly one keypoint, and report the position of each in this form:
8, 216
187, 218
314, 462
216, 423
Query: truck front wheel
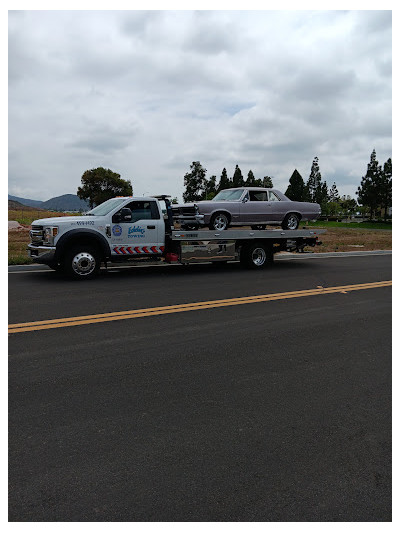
256, 255
81, 262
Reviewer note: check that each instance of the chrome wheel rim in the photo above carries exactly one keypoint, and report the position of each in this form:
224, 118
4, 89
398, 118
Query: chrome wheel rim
292, 222
259, 256
220, 222
83, 264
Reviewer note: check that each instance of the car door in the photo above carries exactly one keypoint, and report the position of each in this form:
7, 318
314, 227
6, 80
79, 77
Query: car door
258, 207
143, 234
276, 207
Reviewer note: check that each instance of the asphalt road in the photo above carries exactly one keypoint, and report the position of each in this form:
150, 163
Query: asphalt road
264, 411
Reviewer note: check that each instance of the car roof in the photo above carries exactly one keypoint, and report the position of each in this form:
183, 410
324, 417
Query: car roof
249, 188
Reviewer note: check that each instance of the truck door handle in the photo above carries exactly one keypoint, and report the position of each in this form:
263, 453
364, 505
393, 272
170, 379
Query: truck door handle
151, 227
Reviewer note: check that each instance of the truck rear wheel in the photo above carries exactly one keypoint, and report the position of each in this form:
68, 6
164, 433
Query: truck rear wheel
81, 262
256, 255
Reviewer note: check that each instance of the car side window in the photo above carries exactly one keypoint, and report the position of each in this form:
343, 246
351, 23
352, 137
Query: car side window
273, 197
258, 196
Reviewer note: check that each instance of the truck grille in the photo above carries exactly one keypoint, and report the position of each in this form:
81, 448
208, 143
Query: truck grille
36, 234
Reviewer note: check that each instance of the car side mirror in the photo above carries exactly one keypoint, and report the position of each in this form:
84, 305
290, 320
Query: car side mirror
126, 214
245, 199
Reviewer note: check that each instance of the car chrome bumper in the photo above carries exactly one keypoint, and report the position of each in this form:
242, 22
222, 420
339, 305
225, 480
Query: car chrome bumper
191, 219
41, 254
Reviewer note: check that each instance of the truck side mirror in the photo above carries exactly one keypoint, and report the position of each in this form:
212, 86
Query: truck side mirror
126, 214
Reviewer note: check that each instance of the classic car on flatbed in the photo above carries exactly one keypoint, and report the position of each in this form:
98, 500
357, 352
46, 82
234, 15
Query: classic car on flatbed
246, 206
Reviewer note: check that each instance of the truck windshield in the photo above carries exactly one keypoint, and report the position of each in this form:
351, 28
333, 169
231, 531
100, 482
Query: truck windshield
228, 194
106, 207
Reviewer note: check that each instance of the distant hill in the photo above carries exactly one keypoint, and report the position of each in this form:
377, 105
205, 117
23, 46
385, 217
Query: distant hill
12, 204
66, 202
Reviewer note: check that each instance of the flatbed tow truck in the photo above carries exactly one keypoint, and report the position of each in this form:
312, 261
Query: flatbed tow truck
138, 230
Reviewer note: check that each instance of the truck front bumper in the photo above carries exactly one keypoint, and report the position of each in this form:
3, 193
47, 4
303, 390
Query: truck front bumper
41, 254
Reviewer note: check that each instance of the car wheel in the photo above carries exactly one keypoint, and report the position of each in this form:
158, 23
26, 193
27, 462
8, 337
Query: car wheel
81, 262
255, 255
219, 222
291, 221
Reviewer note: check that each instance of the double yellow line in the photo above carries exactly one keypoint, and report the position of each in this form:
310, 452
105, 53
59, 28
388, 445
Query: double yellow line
155, 311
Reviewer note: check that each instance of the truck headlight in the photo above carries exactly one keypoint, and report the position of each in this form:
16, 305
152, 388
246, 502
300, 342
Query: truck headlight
49, 233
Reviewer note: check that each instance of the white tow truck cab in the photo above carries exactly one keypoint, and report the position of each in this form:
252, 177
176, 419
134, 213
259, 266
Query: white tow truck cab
139, 229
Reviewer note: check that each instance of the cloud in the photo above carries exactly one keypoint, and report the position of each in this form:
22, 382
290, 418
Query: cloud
145, 93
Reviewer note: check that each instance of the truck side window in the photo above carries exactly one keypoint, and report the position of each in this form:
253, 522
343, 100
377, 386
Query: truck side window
143, 210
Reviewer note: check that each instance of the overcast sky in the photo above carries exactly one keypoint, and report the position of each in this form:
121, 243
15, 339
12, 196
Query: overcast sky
145, 93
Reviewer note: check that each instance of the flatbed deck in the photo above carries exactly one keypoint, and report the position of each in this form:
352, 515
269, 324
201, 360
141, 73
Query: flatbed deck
238, 234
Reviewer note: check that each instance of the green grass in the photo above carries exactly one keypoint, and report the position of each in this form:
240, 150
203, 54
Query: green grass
358, 225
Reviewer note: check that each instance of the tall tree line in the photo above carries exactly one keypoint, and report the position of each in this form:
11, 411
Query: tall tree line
374, 193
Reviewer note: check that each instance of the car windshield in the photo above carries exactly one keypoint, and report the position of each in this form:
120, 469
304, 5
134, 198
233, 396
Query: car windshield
106, 207
228, 194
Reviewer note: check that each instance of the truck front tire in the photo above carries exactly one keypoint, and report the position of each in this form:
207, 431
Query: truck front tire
81, 262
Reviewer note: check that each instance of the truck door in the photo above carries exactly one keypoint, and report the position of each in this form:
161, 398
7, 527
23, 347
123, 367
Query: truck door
143, 234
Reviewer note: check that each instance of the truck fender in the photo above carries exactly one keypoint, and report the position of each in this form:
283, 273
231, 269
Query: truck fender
76, 236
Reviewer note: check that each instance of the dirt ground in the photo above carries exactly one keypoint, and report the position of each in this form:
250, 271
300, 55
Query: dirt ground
345, 240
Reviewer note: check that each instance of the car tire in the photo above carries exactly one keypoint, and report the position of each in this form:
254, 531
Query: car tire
219, 222
256, 255
81, 262
291, 221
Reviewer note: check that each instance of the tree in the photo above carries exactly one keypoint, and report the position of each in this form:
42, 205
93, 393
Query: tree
386, 187
369, 190
333, 193
224, 181
313, 181
210, 188
237, 180
267, 182
348, 205
296, 188
194, 181
251, 180
321, 194
100, 184
316, 190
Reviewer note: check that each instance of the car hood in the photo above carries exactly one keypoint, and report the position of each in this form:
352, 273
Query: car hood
204, 202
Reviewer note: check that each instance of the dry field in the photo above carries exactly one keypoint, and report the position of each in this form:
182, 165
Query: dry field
18, 239
346, 240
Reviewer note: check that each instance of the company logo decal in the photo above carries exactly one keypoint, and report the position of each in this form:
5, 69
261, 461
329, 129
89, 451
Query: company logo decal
117, 230
133, 231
